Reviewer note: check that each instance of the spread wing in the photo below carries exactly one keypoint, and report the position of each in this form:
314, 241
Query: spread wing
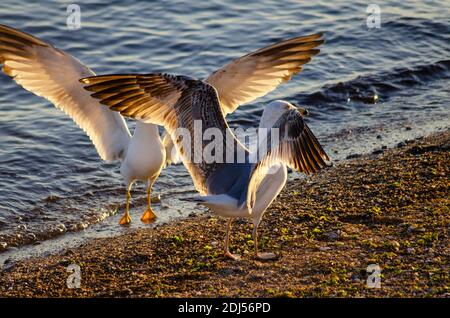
149, 98
294, 145
53, 74
256, 74
175, 102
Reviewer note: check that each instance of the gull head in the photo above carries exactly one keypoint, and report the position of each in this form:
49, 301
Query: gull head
275, 109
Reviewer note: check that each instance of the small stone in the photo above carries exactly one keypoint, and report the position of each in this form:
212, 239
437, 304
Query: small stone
214, 243
31, 236
377, 151
256, 277
395, 245
129, 291
227, 271
410, 250
61, 228
413, 229
333, 235
410, 229
324, 248
8, 264
3, 246
353, 156
51, 198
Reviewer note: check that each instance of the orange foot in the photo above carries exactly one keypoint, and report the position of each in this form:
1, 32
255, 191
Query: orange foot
125, 220
149, 216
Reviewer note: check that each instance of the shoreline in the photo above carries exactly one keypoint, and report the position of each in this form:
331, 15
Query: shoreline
390, 208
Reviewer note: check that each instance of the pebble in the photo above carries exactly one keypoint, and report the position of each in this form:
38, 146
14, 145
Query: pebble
412, 229
3, 246
8, 264
395, 245
324, 248
31, 237
333, 235
377, 152
410, 250
256, 277
353, 156
227, 271
61, 228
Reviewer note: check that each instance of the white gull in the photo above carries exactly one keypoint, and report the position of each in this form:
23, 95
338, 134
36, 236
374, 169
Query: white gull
236, 189
54, 74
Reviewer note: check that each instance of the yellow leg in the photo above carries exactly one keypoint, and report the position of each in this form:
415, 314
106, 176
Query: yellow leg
149, 216
126, 219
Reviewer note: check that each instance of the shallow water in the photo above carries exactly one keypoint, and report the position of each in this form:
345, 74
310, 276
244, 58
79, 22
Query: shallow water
52, 183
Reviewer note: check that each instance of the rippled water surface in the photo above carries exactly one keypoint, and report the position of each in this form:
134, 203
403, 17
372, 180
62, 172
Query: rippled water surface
52, 183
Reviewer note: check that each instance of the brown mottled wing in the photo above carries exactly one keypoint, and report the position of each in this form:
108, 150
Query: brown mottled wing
174, 102
256, 74
53, 74
295, 145
147, 97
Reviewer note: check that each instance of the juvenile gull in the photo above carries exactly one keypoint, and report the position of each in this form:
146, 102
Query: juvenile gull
54, 74
236, 189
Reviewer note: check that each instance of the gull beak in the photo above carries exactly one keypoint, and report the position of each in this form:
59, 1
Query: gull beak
302, 110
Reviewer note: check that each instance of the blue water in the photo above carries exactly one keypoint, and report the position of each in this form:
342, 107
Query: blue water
52, 183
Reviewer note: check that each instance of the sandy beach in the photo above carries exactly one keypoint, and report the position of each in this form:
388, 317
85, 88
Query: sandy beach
390, 208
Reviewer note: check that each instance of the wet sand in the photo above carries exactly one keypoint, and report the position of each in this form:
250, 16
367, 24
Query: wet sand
390, 208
